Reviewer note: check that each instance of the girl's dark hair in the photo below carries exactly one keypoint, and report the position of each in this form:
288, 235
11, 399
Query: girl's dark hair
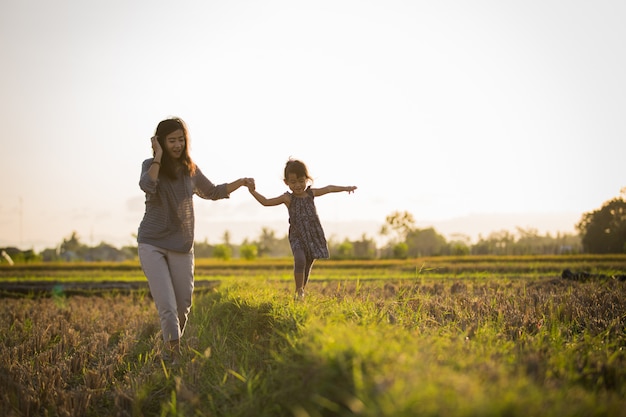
168, 165
297, 167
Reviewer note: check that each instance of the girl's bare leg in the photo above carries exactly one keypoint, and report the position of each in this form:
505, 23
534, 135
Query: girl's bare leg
299, 271
299, 277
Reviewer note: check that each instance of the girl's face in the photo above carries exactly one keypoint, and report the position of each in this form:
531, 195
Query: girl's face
297, 185
175, 143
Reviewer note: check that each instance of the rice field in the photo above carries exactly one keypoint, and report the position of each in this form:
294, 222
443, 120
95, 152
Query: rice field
470, 336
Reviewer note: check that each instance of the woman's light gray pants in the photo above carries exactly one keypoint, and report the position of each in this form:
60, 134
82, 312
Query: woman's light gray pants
170, 277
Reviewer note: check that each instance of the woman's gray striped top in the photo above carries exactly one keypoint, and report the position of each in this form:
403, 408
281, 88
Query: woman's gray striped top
168, 221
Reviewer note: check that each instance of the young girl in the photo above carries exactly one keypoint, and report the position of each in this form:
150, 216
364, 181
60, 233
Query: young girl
306, 235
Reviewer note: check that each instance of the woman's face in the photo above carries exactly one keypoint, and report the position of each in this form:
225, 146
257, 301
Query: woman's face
175, 143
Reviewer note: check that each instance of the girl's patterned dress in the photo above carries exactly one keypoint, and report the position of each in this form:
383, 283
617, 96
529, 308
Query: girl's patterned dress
305, 229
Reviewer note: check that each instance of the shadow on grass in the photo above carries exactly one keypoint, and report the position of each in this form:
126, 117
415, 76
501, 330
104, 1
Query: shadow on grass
248, 358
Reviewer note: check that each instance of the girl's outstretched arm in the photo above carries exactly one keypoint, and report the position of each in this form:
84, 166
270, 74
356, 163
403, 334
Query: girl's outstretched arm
332, 189
230, 187
281, 199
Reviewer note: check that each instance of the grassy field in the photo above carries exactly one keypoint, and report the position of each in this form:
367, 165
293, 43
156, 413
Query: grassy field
471, 336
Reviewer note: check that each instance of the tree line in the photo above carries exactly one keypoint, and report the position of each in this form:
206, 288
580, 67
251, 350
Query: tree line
599, 231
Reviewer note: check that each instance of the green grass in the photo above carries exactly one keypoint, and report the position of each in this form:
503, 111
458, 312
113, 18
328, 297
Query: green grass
383, 339
424, 351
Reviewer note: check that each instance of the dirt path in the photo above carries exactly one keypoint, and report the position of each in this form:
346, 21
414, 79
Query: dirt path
50, 288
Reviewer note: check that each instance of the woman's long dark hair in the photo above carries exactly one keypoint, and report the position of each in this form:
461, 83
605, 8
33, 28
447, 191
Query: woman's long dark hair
168, 164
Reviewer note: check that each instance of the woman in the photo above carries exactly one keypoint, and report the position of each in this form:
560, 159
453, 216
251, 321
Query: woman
166, 233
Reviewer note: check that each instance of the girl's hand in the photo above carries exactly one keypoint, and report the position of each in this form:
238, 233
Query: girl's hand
350, 189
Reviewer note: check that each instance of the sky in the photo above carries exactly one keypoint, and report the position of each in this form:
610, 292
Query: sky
473, 116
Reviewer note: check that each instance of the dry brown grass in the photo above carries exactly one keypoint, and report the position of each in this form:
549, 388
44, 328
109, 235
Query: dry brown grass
65, 356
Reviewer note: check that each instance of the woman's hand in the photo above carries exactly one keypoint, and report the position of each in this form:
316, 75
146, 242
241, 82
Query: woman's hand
156, 148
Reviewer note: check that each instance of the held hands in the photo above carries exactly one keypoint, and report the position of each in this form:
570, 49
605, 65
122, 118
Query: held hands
241, 182
249, 182
246, 182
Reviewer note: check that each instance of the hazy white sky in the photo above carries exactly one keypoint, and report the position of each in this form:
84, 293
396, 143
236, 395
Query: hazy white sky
445, 109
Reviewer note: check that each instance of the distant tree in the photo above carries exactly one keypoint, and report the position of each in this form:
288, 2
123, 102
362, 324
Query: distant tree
248, 251
400, 250
269, 245
345, 250
50, 255
105, 252
497, 243
459, 245
568, 243
530, 242
604, 230
456, 248
364, 248
130, 252
223, 251
424, 242
71, 243
398, 223
226, 238
71, 248
203, 249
